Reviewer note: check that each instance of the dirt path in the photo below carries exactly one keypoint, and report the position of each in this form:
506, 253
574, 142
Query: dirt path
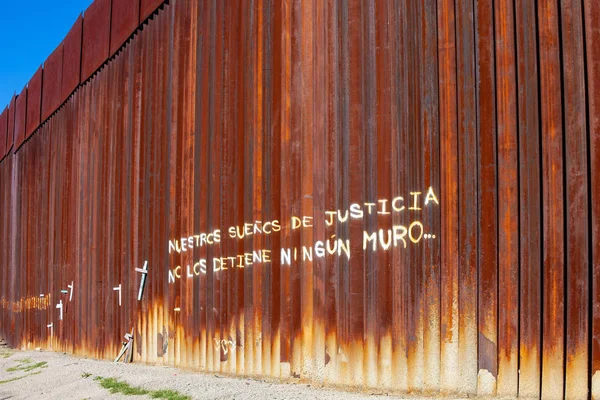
45, 375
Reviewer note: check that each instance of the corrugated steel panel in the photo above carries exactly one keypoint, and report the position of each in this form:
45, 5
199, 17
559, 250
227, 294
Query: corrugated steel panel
592, 38
20, 118
51, 91
553, 203
125, 16
487, 165
389, 195
71, 72
508, 200
530, 203
11, 124
3, 132
96, 37
34, 102
578, 264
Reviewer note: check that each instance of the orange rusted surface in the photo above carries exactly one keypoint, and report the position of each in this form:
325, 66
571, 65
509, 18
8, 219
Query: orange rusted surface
392, 195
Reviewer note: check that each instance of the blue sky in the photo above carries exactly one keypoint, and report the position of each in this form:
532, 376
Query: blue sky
30, 31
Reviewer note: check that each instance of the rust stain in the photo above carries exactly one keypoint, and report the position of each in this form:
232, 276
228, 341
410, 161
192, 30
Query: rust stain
27, 303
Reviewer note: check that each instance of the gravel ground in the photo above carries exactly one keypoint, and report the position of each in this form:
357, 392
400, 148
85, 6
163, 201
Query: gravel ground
65, 377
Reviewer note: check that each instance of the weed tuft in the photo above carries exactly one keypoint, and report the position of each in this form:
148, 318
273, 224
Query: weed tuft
12, 379
42, 364
27, 367
85, 375
116, 386
19, 377
168, 394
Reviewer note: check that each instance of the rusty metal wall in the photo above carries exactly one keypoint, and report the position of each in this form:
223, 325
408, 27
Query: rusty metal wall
397, 195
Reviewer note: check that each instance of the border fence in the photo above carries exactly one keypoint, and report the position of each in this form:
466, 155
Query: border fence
385, 194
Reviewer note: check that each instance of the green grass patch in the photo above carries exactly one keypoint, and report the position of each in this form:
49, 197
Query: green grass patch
42, 364
85, 375
19, 377
27, 367
5, 354
12, 379
117, 386
169, 394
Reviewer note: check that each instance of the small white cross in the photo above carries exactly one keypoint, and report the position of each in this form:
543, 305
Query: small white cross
118, 288
144, 272
60, 306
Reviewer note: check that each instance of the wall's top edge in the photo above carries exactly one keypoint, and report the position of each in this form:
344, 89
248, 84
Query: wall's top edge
96, 35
